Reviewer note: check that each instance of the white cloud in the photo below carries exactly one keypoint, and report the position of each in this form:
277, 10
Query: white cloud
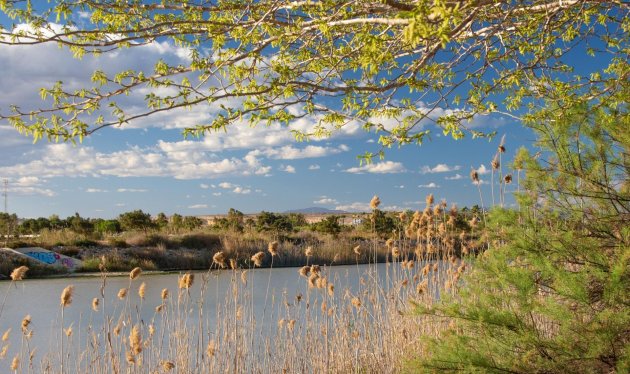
198, 206
242, 191
401, 186
430, 185
483, 170
95, 190
454, 177
204, 186
121, 204
226, 185
439, 168
354, 207
216, 194
27, 186
289, 152
325, 200
314, 167
385, 167
65, 160
131, 190
288, 169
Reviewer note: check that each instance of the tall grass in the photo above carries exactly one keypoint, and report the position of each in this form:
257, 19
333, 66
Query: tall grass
331, 327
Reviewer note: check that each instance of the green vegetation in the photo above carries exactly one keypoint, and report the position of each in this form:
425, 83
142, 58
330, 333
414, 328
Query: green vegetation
552, 292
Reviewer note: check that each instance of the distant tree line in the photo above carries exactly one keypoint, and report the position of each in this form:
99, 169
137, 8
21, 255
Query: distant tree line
136, 220
381, 222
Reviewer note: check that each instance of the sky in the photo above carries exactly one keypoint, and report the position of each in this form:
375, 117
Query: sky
148, 164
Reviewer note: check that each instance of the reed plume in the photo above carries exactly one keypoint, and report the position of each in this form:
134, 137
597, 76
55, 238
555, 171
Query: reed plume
135, 273
142, 290
18, 273
66, 296
95, 302
219, 259
135, 340
375, 202
122, 293
273, 248
186, 281
258, 258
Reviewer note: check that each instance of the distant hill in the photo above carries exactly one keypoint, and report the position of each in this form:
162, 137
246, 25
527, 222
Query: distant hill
316, 210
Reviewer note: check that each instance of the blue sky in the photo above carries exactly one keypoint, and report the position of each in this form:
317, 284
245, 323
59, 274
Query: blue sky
148, 165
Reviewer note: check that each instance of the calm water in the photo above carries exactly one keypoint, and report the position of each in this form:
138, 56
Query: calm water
41, 300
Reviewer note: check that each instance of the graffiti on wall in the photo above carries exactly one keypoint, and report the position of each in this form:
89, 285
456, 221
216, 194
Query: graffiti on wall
48, 257
52, 258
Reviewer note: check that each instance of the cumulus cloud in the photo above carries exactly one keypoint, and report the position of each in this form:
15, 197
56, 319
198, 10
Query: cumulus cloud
385, 167
314, 167
354, 207
226, 185
204, 186
27, 186
288, 169
430, 185
131, 190
482, 169
289, 152
241, 190
95, 190
65, 160
198, 206
454, 177
325, 201
439, 168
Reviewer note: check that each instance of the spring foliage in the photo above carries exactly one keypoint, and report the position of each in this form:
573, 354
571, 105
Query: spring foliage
390, 66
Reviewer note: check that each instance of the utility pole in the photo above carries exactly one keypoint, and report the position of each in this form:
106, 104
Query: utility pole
6, 196
5, 193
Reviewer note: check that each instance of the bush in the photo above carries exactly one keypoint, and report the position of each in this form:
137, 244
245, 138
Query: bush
552, 294
200, 241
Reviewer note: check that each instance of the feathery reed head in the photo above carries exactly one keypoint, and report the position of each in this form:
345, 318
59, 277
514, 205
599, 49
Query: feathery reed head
304, 271
219, 259
18, 273
25, 322
429, 199
186, 281
258, 258
6, 334
15, 363
66, 296
211, 349
357, 250
233, 264
474, 176
142, 290
356, 302
122, 293
135, 273
375, 202
308, 252
495, 162
167, 365
501, 148
95, 302
164, 294
135, 340
273, 248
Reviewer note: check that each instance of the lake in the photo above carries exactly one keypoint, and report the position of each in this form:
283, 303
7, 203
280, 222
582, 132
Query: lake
269, 296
